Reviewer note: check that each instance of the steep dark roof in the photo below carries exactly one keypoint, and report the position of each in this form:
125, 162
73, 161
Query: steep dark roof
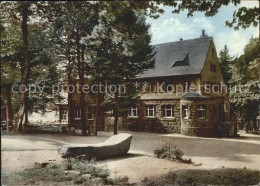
193, 52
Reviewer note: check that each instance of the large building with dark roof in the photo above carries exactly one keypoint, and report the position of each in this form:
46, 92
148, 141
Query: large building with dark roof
184, 92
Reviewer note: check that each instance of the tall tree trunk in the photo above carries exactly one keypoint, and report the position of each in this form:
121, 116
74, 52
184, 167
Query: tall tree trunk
7, 120
70, 101
26, 107
235, 125
97, 111
82, 82
25, 75
254, 123
116, 112
9, 115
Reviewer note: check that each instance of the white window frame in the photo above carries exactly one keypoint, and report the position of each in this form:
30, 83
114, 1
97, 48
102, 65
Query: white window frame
149, 108
165, 109
64, 114
186, 113
202, 108
131, 112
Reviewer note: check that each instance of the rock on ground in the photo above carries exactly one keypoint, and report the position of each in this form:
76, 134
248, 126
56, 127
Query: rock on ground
97, 181
114, 146
86, 176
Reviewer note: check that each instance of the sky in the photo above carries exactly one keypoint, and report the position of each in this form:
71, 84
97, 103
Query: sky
171, 27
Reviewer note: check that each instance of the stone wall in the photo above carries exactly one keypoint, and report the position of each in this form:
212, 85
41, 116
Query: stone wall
158, 123
193, 126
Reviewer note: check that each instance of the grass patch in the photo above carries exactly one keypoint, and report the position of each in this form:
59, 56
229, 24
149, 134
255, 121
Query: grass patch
54, 173
225, 176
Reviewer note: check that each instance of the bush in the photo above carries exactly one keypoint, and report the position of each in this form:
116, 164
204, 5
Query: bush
155, 127
55, 173
168, 150
136, 126
46, 128
207, 177
148, 126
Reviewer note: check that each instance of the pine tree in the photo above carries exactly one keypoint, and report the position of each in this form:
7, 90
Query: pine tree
74, 21
123, 52
225, 60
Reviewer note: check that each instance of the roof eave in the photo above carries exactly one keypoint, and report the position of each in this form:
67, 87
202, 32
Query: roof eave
149, 77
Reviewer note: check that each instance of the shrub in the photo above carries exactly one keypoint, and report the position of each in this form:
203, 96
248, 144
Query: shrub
46, 128
207, 177
148, 126
168, 150
55, 173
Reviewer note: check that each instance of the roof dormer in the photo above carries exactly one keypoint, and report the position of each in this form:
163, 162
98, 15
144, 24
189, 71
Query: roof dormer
182, 61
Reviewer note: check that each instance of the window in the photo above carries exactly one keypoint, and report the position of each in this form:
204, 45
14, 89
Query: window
133, 111
183, 61
77, 113
63, 114
201, 112
150, 87
185, 112
213, 51
168, 111
213, 68
91, 111
178, 63
150, 111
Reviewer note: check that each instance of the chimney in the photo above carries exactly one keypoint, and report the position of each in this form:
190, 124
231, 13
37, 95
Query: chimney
181, 39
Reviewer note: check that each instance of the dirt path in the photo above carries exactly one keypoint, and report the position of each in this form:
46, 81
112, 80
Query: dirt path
22, 151
138, 167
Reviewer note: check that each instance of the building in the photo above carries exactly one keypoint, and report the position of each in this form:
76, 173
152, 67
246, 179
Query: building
184, 93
